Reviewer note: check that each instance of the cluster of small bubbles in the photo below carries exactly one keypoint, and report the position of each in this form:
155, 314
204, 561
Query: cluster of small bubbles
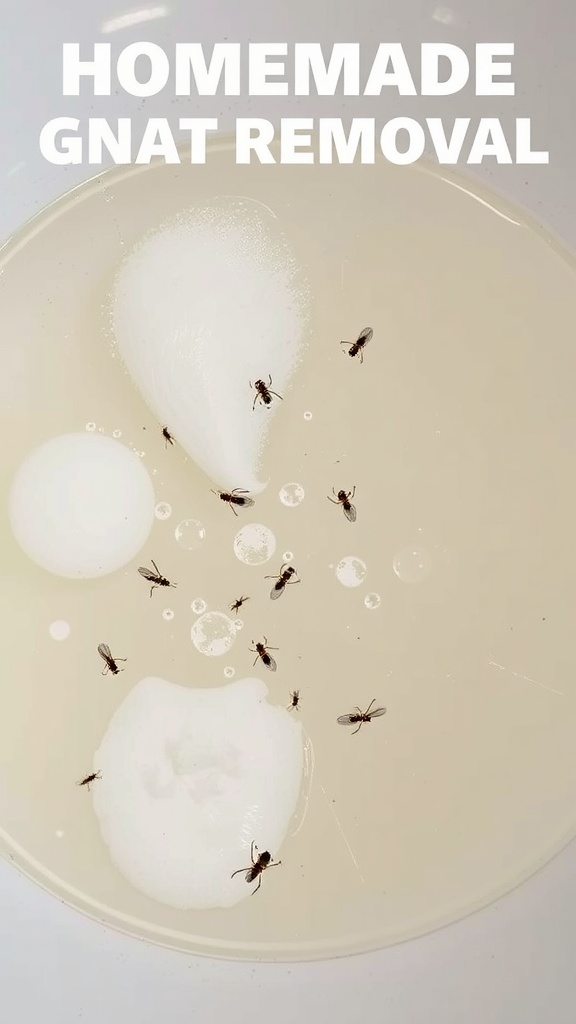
372, 601
90, 426
238, 624
213, 634
116, 433
198, 606
254, 544
291, 495
168, 614
412, 564
307, 415
59, 630
351, 571
288, 556
163, 510
189, 534
229, 671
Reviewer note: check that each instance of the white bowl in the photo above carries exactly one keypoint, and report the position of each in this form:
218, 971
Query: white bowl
544, 77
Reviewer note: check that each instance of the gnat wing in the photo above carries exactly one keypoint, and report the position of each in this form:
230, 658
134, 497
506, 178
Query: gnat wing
148, 574
350, 513
347, 719
245, 502
277, 589
104, 652
271, 664
378, 712
366, 335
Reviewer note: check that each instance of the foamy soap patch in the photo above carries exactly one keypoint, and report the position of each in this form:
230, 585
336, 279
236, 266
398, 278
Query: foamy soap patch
205, 305
188, 779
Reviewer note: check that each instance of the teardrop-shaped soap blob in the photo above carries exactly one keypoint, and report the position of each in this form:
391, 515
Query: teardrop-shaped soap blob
203, 308
188, 779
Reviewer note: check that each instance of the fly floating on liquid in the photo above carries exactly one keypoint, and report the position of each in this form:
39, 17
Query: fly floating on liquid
358, 346
283, 579
343, 498
259, 864
90, 779
235, 497
261, 651
236, 605
294, 700
263, 392
167, 436
155, 577
111, 663
359, 717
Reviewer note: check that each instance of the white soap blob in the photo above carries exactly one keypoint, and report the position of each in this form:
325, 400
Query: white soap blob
188, 779
205, 305
81, 505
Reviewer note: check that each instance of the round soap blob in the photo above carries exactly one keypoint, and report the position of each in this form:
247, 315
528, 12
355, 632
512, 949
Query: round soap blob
81, 505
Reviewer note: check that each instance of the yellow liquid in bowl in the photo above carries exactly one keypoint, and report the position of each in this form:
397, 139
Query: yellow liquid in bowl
458, 432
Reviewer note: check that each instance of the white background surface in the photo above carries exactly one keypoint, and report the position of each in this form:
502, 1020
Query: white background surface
513, 962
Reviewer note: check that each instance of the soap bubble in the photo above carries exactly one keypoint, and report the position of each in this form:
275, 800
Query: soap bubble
190, 533
91, 426
372, 601
291, 495
213, 634
351, 571
116, 433
229, 671
254, 544
288, 556
59, 630
239, 624
307, 415
412, 564
168, 614
163, 510
198, 606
